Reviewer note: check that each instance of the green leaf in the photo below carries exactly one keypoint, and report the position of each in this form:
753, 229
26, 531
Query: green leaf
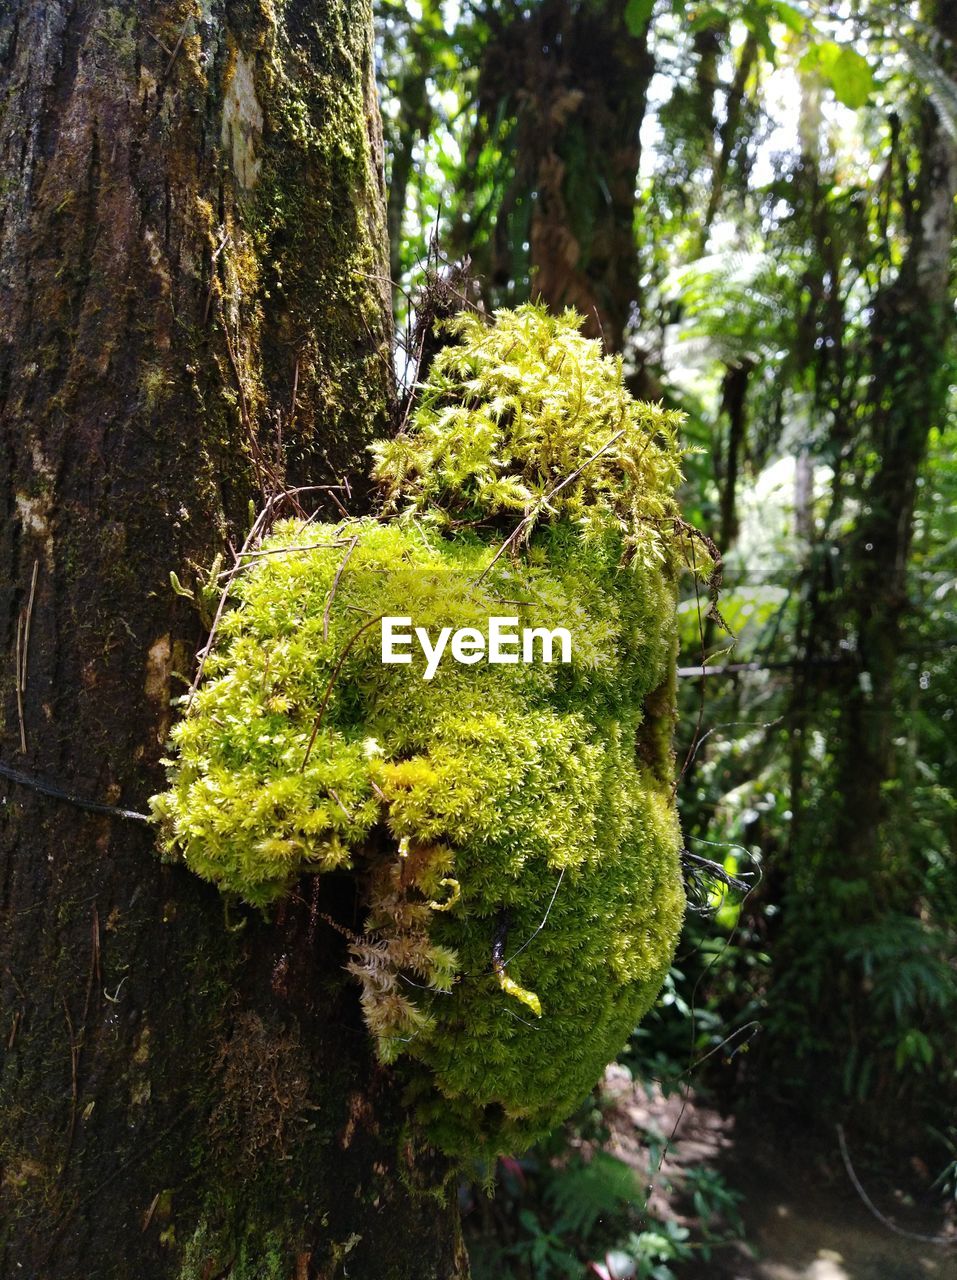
844, 69
178, 586
791, 17
637, 14
702, 18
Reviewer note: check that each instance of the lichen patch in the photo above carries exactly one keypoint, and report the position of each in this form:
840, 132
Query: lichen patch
242, 121
156, 686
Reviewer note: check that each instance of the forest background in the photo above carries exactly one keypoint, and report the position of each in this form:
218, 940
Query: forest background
752, 202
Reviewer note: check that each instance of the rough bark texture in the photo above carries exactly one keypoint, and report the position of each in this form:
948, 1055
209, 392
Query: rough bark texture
192, 263
577, 81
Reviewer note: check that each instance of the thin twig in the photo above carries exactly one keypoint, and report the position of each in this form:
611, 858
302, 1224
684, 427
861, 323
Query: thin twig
257, 531
115, 997
332, 590
95, 965
162, 43
330, 490
57, 793
693, 748
335, 797
176, 48
256, 453
754, 1026
18, 673
276, 551
74, 1090
332, 680
237, 563
543, 502
715, 870
941, 1241
220, 247
692, 1062
148, 1216
212, 275
26, 627
736, 668
507, 962
205, 652
734, 724
295, 392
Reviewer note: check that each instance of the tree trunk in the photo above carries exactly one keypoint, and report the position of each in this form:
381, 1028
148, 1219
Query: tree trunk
578, 80
851, 863
192, 296
911, 340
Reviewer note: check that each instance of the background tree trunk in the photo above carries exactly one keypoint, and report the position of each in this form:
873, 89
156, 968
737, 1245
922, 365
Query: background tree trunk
911, 337
578, 82
192, 295
856, 855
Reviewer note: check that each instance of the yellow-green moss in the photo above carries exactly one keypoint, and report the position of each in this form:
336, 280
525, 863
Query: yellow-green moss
518, 855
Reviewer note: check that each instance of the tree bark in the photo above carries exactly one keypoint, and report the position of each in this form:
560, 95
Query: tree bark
193, 308
577, 80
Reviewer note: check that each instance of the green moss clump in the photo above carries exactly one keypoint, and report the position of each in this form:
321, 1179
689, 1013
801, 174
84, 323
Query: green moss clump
529, 416
519, 855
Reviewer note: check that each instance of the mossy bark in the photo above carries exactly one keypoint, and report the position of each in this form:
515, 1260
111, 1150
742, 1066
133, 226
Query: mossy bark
193, 308
577, 80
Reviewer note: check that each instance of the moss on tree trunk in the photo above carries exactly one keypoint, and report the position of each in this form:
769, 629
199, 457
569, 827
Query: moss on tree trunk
193, 308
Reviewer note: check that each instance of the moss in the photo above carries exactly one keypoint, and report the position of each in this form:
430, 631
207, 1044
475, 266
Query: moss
312, 213
512, 825
156, 385
251, 1257
264, 1092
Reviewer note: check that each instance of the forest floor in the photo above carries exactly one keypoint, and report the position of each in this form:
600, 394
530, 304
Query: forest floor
803, 1218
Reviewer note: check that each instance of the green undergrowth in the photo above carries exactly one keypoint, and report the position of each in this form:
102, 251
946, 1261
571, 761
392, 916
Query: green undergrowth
518, 853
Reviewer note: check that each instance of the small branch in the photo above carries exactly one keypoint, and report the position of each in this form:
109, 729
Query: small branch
57, 793
162, 43
276, 551
543, 502
332, 680
295, 393
715, 870
734, 668
531, 938
332, 591
148, 1216
18, 675
212, 275
74, 1088
256, 453
941, 1241
26, 628
176, 48
335, 797
257, 531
